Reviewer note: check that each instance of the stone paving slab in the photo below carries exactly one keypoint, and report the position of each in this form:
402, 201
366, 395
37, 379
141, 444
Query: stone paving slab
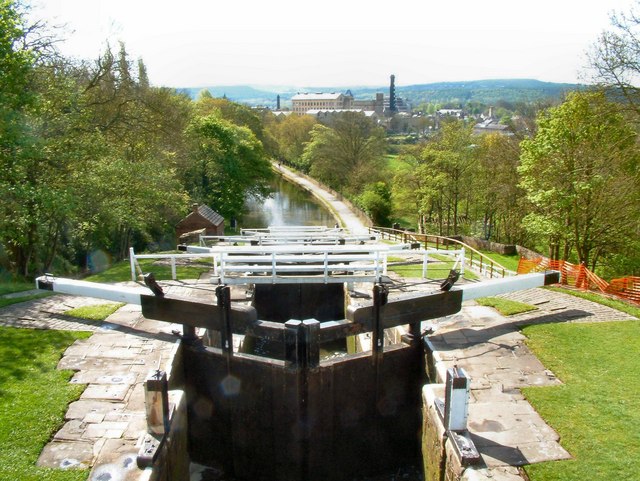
504, 426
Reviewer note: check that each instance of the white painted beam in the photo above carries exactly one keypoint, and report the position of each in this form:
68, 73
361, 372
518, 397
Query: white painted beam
129, 295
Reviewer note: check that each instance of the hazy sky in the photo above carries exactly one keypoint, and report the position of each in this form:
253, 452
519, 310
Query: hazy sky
195, 43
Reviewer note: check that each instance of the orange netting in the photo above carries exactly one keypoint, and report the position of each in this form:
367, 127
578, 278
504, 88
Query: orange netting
579, 276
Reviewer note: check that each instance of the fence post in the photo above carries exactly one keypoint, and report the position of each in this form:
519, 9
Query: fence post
462, 259
173, 268
132, 261
425, 262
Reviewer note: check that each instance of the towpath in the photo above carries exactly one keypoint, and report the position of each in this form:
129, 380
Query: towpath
347, 218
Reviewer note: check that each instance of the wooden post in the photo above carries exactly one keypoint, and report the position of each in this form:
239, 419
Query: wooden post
156, 402
311, 329
380, 295
292, 355
223, 295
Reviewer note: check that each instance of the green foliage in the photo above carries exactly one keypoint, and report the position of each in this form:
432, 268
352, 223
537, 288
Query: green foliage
375, 200
506, 307
581, 174
98, 312
348, 155
92, 158
291, 134
228, 163
34, 396
437, 175
596, 411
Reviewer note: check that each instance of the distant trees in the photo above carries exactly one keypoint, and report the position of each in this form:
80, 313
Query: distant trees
440, 178
291, 134
348, 155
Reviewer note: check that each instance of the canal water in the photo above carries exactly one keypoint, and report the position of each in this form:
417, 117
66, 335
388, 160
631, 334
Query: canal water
287, 205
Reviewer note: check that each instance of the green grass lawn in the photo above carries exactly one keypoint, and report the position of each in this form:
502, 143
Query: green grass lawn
11, 287
16, 300
33, 399
620, 305
597, 410
506, 307
438, 270
96, 312
121, 271
508, 262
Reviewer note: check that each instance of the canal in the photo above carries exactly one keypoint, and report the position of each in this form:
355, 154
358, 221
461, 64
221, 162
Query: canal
288, 204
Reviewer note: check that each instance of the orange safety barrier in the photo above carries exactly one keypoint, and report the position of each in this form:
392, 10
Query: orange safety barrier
579, 276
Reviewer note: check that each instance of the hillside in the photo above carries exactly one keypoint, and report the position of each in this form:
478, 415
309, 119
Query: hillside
482, 91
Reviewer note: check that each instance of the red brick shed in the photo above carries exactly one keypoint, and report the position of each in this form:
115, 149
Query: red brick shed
201, 218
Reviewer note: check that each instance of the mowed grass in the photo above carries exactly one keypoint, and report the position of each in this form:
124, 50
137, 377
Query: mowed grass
11, 287
506, 307
438, 270
624, 306
33, 399
96, 312
597, 411
15, 300
508, 262
121, 271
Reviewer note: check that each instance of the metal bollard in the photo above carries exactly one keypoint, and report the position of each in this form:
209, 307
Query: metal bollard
157, 402
456, 401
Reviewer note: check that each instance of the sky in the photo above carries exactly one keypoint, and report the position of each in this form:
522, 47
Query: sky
197, 43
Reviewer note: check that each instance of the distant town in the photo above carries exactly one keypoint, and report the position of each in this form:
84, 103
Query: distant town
494, 105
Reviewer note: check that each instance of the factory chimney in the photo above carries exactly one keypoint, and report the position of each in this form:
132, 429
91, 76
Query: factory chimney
392, 95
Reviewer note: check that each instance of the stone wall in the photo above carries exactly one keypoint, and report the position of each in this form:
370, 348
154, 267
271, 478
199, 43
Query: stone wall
481, 244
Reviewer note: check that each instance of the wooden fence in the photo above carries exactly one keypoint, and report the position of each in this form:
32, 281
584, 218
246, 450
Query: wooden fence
577, 275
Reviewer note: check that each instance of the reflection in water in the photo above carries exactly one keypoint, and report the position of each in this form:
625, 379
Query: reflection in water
287, 205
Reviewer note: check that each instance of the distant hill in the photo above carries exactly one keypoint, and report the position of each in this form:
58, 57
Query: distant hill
482, 91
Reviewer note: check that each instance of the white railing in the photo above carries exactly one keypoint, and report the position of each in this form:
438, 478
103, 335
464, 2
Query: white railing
458, 258
275, 235
135, 265
300, 263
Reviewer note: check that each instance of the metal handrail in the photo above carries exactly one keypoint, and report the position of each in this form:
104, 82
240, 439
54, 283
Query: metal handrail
490, 267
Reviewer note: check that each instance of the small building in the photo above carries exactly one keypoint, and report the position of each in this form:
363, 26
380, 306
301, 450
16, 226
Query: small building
203, 219
491, 126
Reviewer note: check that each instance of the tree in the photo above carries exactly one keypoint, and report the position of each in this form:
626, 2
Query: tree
446, 165
615, 57
348, 155
375, 200
498, 198
581, 174
228, 163
291, 134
